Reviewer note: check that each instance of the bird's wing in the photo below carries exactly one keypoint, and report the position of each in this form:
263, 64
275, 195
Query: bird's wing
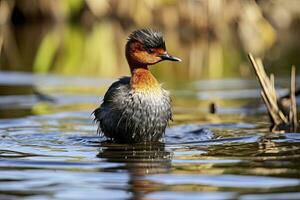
114, 87
110, 94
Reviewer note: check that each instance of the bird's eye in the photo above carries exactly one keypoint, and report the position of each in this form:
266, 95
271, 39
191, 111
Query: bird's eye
150, 51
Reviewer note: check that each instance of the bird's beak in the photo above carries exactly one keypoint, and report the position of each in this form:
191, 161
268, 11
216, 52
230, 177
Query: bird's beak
166, 56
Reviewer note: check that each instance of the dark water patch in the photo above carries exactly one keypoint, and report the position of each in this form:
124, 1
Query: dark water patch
21, 164
14, 154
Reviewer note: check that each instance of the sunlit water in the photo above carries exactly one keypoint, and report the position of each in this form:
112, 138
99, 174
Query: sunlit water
49, 148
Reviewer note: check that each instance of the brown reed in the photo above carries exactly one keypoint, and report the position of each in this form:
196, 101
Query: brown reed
281, 120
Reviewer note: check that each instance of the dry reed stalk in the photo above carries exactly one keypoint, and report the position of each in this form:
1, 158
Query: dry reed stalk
270, 97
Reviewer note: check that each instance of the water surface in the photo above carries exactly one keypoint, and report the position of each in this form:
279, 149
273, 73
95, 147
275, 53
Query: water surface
49, 148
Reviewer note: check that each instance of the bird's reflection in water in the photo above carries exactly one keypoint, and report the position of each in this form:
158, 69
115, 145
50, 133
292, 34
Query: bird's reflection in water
140, 160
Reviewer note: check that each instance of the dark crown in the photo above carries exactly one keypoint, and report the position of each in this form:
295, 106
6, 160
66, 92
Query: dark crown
149, 38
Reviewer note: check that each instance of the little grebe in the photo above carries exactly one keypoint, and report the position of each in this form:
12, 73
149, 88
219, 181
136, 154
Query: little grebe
137, 109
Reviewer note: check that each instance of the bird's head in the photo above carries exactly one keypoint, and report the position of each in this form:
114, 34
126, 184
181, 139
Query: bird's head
146, 47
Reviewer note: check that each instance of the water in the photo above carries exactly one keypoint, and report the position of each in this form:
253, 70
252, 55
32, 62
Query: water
49, 148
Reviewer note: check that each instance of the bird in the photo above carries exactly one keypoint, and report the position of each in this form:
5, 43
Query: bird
136, 109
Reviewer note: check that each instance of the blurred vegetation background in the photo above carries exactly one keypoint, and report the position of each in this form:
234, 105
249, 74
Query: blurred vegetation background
87, 37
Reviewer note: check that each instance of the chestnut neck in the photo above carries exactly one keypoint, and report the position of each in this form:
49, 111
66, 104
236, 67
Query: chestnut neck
142, 80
